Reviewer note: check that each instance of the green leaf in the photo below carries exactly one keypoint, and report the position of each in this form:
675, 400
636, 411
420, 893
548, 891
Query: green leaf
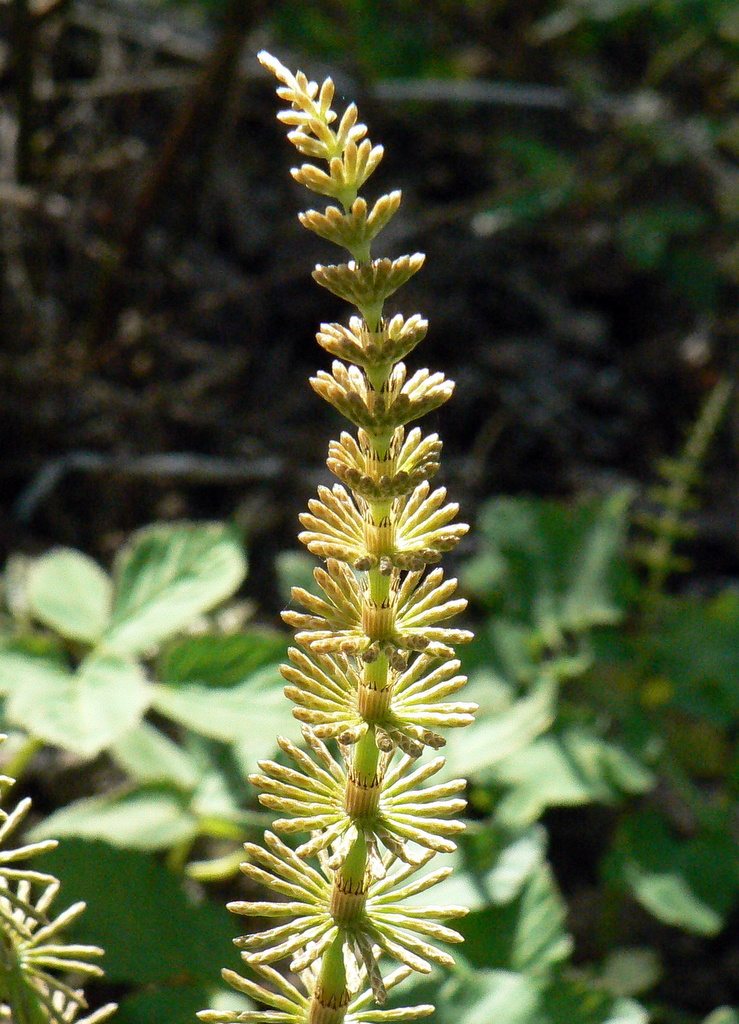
510, 523
588, 601
144, 820
697, 649
166, 577
499, 731
540, 940
219, 660
526, 934
555, 566
509, 997
722, 1015
70, 593
152, 930
691, 885
177, 1003
83, 711
515, 645
669, 897
249, 715
149, 756
569, 1001
645, 233
515, 864
460, 888
295, 569
171, 1005
574, 768
478, 997
630, 972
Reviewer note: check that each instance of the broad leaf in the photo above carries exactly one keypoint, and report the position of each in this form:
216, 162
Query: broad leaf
554, 565
501, 730
149, 756
219, 660
152, 930
527, 934
295, 569
697, 650
177, 1003
588, 600
83, 711
70, 593
515, 864
723, 1015
509, 997
691, 885
166, 577
170, 1005
145, 820
574, 768
476, 997
630, 971
670, 898
249, 715
568, 1001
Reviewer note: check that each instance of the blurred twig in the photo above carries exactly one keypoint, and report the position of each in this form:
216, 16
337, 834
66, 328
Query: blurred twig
172, 465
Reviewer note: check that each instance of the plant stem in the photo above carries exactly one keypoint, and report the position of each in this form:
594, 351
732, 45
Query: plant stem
690, 459
20, 760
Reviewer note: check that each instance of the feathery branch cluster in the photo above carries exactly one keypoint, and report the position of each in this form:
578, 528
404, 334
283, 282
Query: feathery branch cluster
34, 958
374, 674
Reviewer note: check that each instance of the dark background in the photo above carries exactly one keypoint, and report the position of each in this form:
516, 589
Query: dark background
570, 172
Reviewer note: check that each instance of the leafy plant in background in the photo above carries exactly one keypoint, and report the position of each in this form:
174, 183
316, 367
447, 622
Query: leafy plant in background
641, 702
375, 664
138, 672
574, 709
85, 657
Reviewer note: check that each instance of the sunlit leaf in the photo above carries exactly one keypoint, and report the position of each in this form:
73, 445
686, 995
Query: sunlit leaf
573, 768
167, 576
144, 820
527, 934
515, 864
83, 711
219, 660
690, 884
250, 715
498, 735
149, 756
70, 593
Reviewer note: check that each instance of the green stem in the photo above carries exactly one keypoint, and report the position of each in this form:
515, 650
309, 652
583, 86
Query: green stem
178, 854
366, 755
16, 766
677, 494
331, 991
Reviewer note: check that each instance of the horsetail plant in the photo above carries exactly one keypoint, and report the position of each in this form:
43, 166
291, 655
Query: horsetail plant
374, 667
34, 958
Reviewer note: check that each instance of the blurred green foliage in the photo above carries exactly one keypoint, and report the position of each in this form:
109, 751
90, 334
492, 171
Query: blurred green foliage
598, 690
589, 695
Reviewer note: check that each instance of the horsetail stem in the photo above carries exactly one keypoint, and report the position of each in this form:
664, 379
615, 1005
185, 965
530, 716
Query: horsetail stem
373, 669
